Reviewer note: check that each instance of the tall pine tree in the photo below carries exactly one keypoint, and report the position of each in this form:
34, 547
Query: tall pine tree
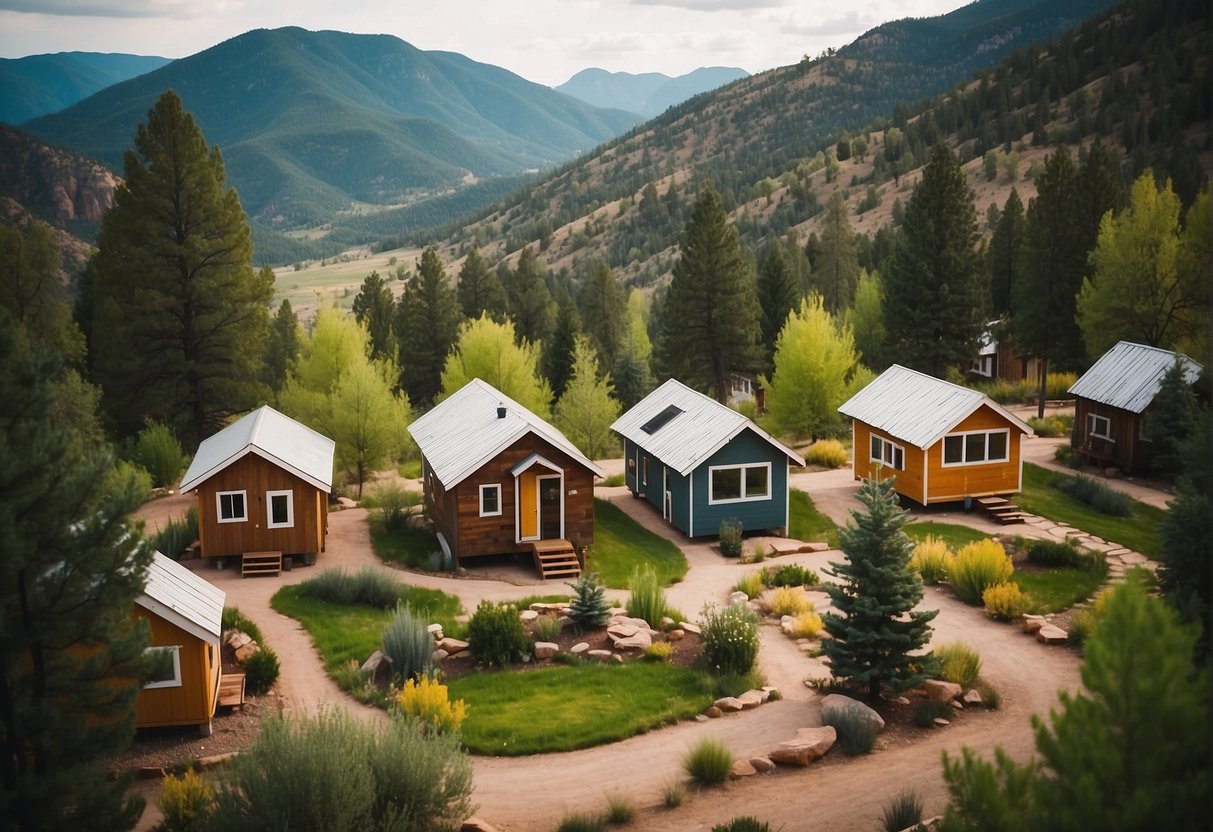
1005, 256
530, 301
559, 349
480, 289
777, 297
282, 349
428, 328
836, 270
375, 308
604, 312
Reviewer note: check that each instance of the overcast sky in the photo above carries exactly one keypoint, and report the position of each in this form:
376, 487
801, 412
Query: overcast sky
542, 40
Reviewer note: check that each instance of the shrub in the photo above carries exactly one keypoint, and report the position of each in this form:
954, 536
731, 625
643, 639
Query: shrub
589, 607
176, 536
1053, 553
659, 651
1084, 622
792, 574
730, 537
261, 671
709, 763
976, 567
368, 586
902, 812
828, 453
856, 733
184, 800
582, 822
959, 663
621, 810
427, 699
408, 643
1094, 494
614, 480
546, 628
1068, 456
160, 454
233, 619
673, 794
806, 625
647, 600
729, 639
1005, 601
927, 711
390, 501
787, 601
752, 584
496, 633
931, 558
1059, 424
742, 824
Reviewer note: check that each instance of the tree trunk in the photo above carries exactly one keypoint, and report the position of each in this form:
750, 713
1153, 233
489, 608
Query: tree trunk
1044, 387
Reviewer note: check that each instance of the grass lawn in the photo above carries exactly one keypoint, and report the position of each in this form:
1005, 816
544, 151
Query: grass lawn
410, 469
1058, 589
621, 545
408, 547
1138, 531
807, 523
564, 708
951, 534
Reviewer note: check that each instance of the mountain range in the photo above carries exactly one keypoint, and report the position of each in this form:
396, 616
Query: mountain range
38, 85
647, 93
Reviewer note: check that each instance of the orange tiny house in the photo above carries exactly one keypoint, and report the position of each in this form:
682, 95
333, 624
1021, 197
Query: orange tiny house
185, 615
262, 485
942, 442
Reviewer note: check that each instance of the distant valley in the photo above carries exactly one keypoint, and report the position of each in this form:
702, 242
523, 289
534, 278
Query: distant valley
647, 93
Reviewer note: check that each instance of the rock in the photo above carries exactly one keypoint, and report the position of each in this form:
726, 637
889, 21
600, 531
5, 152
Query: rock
667, 623
815, 546
972, 697
528, 615
564, 621
453, 645
738, 598
579, 648
436, 631
713, 713
729, 703
601, 655
640, 641
475, 824
957, 705
379, 667
616, 612
1051, 634
837, 702
687, 626
762, 764
546, 649
346, 502
439, 655
239, 640
676, 635
809, 745
462, 654
246, 652
624, 621
415, 521
622, 630
938, 690
701, 717
1033, 623
616, 658
752, 699
742, 768
940, 722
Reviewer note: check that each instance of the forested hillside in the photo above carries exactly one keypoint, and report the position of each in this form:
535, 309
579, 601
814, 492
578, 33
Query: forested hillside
648, 93
37, 85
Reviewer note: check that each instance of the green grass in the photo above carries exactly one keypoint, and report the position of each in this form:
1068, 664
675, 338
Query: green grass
621, 545
1059, 589
807, 523
565, 708
405, 546
951, 534
410, 469
1138, 531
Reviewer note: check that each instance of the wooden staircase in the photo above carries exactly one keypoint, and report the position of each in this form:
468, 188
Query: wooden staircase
260, 563
1001, 509
555, 559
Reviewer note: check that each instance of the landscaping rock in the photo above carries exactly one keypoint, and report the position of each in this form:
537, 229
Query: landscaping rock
579, 648
346, 502
546, 649
622, 630
809, 745
439, 655
938, 690
462, 654
453, 645
239, 639
742, 768
601, 655
815, 546
972, 697
528, 615
713, 713
676, 635
689, 627
616, 612
616, 658
475, 824
1033, 623
246, 652
379, 667
1051, 634
752, 699
762, 764
642, 640
701, 718
436, 631
837, 702
729, 703
738, 598
957, 705
667, 622
940, 722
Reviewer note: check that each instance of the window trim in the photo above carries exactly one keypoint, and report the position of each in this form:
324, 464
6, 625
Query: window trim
485, 488
880, 460
175, 682
644, 470
983, 365
219, 495
964, 445
290, 509
1093, 424
712, 469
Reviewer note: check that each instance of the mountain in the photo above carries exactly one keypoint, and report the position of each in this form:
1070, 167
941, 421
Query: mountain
41, 84
649, 93
311, 122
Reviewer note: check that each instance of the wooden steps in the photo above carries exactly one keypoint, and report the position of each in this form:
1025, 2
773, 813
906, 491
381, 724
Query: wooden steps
231, 690
1001, 509
260, 563
555, 559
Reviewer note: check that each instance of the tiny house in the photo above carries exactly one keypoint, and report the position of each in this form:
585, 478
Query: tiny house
262, 485
699, 462
185, 615
941, 441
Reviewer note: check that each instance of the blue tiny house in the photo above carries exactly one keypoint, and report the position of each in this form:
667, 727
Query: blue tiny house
699, 462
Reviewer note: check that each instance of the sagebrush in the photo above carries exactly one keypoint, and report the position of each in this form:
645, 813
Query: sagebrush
978, 566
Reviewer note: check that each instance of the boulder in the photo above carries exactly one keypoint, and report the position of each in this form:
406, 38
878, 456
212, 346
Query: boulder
809, 745
762, 764
1050, 634
528, 615
972, 697
667, 622
752, 699
239, 639
938, 690
346, 502
713, 713
625, 621
546, 649
475, 824
729, 703
579, 648
742, 768
837, 702
738, 598
436, 631
676, 635
701, 718
617, 612
640, 641
1033, 623
453, 645
688, 627
622, 630
439, 655
462, 654
246, 652
379, 667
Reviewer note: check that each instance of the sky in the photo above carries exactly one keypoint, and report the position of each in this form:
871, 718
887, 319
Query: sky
546, 41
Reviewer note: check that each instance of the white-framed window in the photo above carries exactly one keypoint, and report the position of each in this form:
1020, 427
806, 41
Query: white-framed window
231, 506
976, 447
279, 509
165, 670
983, 365
490, 500
644, 471
739, 483
1099, 426
632, 467
888, 453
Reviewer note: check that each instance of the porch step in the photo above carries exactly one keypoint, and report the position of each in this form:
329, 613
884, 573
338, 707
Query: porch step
1001, 510
260, 563
231, 690
555, 559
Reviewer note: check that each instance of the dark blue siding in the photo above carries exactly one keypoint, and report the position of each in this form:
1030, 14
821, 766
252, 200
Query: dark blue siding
750, 449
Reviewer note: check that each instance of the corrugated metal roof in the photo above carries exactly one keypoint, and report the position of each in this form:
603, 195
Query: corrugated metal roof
462, 433
1128, 376
271, 435
179, 596
918, 408
688, 438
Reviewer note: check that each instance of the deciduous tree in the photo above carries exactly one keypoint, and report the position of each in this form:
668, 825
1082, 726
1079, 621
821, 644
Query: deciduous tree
866, 318
488, 350
585, 411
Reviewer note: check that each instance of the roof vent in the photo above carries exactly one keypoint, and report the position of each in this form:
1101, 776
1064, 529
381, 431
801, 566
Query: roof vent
500, 411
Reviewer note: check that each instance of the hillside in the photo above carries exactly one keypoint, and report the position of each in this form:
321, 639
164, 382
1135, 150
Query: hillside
38, 85
647, 93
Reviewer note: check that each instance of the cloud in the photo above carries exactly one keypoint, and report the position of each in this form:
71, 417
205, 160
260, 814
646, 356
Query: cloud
714, 5
850, 23
108, 8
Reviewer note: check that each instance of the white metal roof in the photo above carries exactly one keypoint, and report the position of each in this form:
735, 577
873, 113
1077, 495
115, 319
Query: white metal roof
271, 435
702, 428
1128, 376
462, 432
180, 597
918, 408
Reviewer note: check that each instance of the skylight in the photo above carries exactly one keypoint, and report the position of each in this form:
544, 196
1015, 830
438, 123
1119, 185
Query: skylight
661, 419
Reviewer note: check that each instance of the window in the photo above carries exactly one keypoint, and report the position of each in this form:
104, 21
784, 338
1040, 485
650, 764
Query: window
1099, 426
280, 509
739, 483
644, 478
888, 453
231, 507
976, 447
661, 419
632, 467
165, 669
983, 365
490, 500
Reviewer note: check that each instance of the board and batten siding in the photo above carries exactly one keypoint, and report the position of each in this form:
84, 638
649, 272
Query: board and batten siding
747, 448
1127, 450
193, 702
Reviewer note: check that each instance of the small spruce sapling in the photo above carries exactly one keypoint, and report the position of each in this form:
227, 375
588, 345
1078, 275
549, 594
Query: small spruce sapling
589, 607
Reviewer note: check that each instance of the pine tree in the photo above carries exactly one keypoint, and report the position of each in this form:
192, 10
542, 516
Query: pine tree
33, 292
604, 311
428, 328
836, 269
935, 293
282, 349
1186, 574
181, 318
1100, 188
558, 350
875, 630
709, 320
589, 607
375, 308
777, 297
530, 301
1170, 420
633, 379
480, 289
586, 409
1005, 256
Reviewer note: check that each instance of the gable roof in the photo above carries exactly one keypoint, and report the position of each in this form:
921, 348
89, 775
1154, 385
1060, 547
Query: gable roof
917, 408
182, 598
683, 427
1128, 376
462, 432
272, 436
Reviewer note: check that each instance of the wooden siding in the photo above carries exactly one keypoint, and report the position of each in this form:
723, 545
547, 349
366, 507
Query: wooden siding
1127, 451
255, 476
747, 448
908, 482
193, 703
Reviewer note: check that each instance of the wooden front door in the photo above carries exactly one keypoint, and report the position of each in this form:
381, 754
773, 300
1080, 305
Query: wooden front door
551, 526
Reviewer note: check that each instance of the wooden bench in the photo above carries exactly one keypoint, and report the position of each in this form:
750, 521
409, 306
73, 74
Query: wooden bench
260, 563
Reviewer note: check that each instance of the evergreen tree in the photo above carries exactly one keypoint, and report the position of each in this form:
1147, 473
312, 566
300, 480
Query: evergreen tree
375, 309
32, 290
1100, 189
1186, 574
480, 289
875, 630
633, 379
428, 327
530, 301
72, 568
490, 351
1005, 256
604, 312
777, 297
586, 409
282, 350
558, 350
1170, 420
836, 269
181, 318
709, 320
935, 294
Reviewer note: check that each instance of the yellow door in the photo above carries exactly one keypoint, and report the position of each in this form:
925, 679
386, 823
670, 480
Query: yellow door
528, 505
